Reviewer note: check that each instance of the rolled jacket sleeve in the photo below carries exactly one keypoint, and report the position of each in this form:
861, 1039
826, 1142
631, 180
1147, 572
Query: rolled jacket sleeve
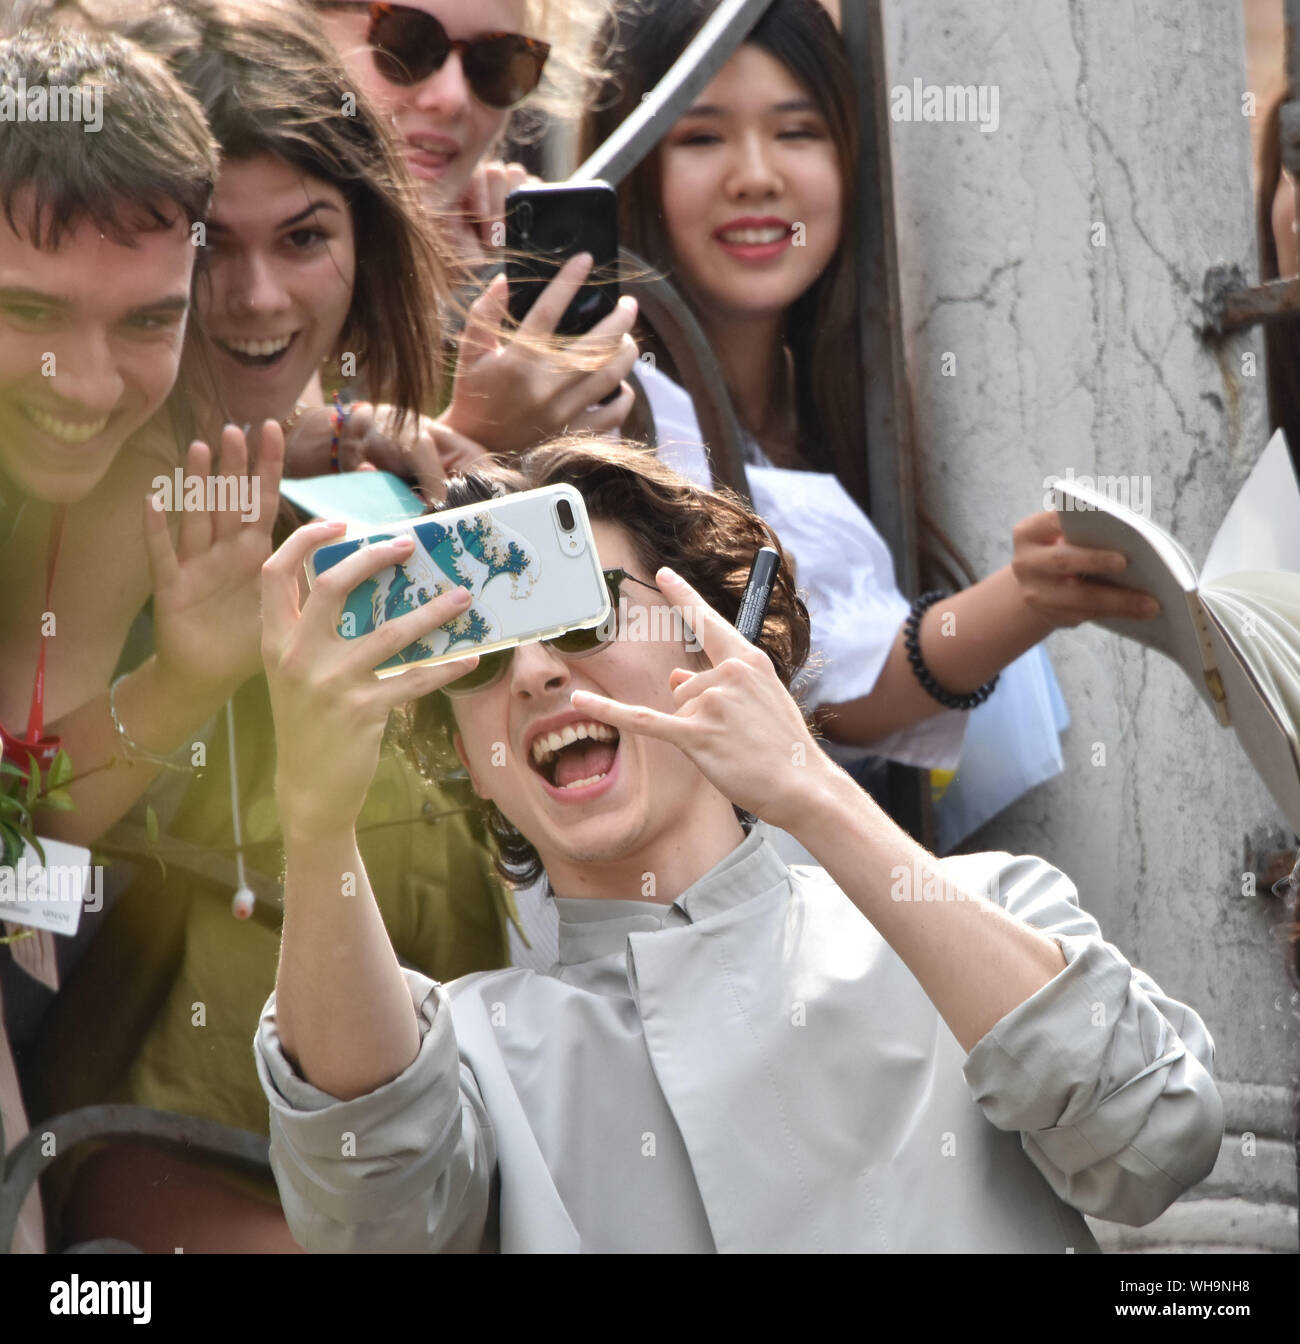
1106, 1077
407, 1167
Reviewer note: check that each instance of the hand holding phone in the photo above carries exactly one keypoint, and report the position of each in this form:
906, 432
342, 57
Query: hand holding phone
548, 224
528, 561
510, 394
330, 709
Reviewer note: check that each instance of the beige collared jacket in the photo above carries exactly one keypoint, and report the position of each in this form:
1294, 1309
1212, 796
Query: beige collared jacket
753, 1069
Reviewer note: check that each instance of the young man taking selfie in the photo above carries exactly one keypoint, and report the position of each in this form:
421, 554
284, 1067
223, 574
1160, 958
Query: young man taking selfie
886, 1053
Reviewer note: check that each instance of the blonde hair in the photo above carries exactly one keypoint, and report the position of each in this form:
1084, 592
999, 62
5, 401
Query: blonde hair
572, 70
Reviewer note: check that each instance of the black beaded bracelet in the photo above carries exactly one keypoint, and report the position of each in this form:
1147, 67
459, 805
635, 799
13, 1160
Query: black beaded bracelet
912, 643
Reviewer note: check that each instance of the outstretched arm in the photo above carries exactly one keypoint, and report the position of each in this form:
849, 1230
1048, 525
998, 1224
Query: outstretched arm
344, 1012
968, 638
742, 729
379, 1137
1106, 1078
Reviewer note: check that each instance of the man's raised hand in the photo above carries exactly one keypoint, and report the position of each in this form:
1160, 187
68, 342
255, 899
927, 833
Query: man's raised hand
734, 720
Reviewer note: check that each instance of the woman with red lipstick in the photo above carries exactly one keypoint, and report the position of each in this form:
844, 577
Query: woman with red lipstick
748, 204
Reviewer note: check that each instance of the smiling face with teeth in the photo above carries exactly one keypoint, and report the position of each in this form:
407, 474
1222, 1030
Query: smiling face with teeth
277, 285
751, 160
90, 343
600, 809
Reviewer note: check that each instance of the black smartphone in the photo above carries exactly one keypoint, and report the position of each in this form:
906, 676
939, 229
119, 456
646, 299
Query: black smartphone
548, 224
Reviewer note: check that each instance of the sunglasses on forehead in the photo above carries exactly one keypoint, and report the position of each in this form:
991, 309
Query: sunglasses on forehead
573, 644
408, 45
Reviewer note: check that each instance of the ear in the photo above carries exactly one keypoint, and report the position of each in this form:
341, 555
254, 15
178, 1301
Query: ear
458, 742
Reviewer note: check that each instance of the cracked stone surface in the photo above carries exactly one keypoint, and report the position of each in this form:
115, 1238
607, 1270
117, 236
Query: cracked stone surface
1072, 354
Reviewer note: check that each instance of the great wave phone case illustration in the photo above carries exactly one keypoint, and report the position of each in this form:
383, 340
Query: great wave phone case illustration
529, 560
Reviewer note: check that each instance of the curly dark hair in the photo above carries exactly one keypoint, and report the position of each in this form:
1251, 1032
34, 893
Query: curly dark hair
709, 537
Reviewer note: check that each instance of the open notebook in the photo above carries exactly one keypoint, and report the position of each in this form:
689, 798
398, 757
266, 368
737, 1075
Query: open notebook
1235, 627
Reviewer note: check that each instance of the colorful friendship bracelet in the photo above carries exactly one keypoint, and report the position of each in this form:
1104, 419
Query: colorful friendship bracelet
339, 418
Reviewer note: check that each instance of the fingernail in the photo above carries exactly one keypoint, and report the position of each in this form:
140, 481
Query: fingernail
461, 596
401, 543
666, 573
1119, 562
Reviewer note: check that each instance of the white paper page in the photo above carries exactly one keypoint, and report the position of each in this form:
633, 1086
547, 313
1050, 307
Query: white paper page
48, 897
1262, 528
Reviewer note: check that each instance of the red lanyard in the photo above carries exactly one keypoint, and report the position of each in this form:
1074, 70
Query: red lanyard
17, 749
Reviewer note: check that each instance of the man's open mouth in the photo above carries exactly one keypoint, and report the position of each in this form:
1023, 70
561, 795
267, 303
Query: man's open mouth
258, 354
577, 755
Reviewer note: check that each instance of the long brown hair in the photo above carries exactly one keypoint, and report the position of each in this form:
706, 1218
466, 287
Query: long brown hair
709, 537
640, 42
269, 83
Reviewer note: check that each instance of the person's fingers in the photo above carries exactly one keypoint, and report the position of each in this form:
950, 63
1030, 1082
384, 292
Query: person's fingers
426, 462
393, 636
1095, 600
544, 316
232, 466
417, 682
270, 471
687, 685
196, 526
492, 207
478, 196
605, 419
280, 578
457, 453
1044, 527
483, 322
591, 390
631, 718
1072, 600
717, 636
516, 176
606, 333
331, 589
1065, 558
359, 437
163, 567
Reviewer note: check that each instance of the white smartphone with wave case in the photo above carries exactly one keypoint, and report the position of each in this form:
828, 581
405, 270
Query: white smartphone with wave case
529, 560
